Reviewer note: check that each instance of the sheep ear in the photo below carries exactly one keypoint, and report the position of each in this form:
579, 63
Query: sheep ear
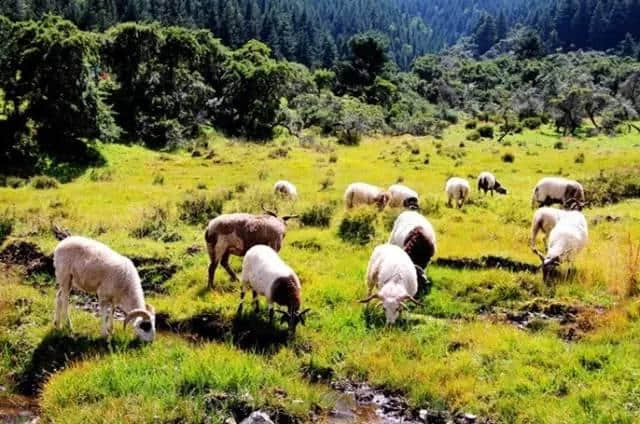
268, 212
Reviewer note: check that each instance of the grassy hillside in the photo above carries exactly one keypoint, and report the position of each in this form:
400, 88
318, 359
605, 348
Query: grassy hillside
461, 350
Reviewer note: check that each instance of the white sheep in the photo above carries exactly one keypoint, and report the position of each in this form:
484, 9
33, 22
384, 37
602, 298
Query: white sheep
236, 233
544, 219
416, 236
488, 182
403, 196
392, 273
457, 189
550, 190
266, 274
365, 194
569, 236
286, 189
94, 268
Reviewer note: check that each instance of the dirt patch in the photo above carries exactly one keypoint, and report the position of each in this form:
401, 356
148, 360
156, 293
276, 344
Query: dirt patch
16, 409
361, 403
487, 262
574, 320
154, 273
249, 331
311, 245
28, 255
598, 219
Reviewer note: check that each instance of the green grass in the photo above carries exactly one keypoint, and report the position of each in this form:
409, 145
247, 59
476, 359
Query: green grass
450, 353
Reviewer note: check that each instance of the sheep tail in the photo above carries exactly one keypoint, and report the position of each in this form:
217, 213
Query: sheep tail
419, 247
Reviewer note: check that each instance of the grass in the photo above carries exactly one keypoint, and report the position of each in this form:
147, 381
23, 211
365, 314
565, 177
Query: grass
452, 352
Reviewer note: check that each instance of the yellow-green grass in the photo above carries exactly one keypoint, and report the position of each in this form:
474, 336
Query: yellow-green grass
448, 354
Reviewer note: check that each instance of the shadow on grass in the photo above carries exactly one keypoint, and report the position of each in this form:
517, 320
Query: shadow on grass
250, 331
59, 349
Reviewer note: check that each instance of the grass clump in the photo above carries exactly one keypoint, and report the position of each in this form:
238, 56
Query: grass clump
43, 182
154, 226
158, 180
358, 226
471, 125
508, 157
14, 182
198, 209
318, 215
7, 222
579, 158
97, 176
532, 123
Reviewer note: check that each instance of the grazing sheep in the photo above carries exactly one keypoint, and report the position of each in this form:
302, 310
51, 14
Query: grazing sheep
569, 236
286, 189
391, 271
401, 195
266, 274
415, 235
457, 189
94, 268
365, 194
236, 233
487, 182
550, 190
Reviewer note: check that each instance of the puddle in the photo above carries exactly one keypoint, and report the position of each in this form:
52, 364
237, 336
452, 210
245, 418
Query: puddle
486, 262
359, 403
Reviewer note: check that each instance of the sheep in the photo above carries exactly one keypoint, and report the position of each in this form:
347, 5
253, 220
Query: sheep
391, 271
401, 195
415, 235
550, 190
93, 267
365, 194
487, 182
236, 233
266, 274
457, 189
569, 236
286, 189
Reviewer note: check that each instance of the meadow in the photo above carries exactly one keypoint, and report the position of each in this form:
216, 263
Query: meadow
465, 349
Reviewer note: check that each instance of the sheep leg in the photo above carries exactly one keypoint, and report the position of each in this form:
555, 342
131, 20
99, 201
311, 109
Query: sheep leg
225, 264
212, 272
256, 303
62, 301
449, 202
104, 313
271, 312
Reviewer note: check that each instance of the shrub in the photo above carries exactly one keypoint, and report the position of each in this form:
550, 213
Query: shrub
358, 226
14, 182
42, 182
473, 136
318, 215
333, 158
349, 138
450, 116
612, 188
558, 145
240, 187
430, 206
486, 131
508, 157
471, 125
279, 152
326, 183
158, 180
106, 175
201, 186
6, 225
154, 226
198, 209
579, 158
532, 123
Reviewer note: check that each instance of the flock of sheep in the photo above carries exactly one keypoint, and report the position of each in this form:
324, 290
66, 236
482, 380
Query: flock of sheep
395, 272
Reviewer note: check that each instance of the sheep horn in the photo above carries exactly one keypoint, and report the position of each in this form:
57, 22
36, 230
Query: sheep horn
288, 217
413, 300
268, 212
369, 299
537, 252
137, 313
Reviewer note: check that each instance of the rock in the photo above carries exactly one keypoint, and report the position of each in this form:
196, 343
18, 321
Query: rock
470, 417
257, 417
230, 420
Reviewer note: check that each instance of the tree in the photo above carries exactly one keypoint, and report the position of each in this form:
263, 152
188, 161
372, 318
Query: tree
485, 33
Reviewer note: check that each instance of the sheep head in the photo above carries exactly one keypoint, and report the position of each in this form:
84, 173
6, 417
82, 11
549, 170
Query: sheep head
392, 305
144, 322
293, 318
548, 264
411, 203
574, 204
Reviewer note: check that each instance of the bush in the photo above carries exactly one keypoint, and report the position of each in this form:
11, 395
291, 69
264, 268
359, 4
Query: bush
240, 187
333, 158
106, 175
579, 158
558, 145
473, 136
158, 180
358, 226
42, 182
471, 125
349, 138
612, 188
279, 152
6, 225
13, 182
326, 183
450, 116
508, 157
532, 123
154, 226
198, 209
486, 131
318, 215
